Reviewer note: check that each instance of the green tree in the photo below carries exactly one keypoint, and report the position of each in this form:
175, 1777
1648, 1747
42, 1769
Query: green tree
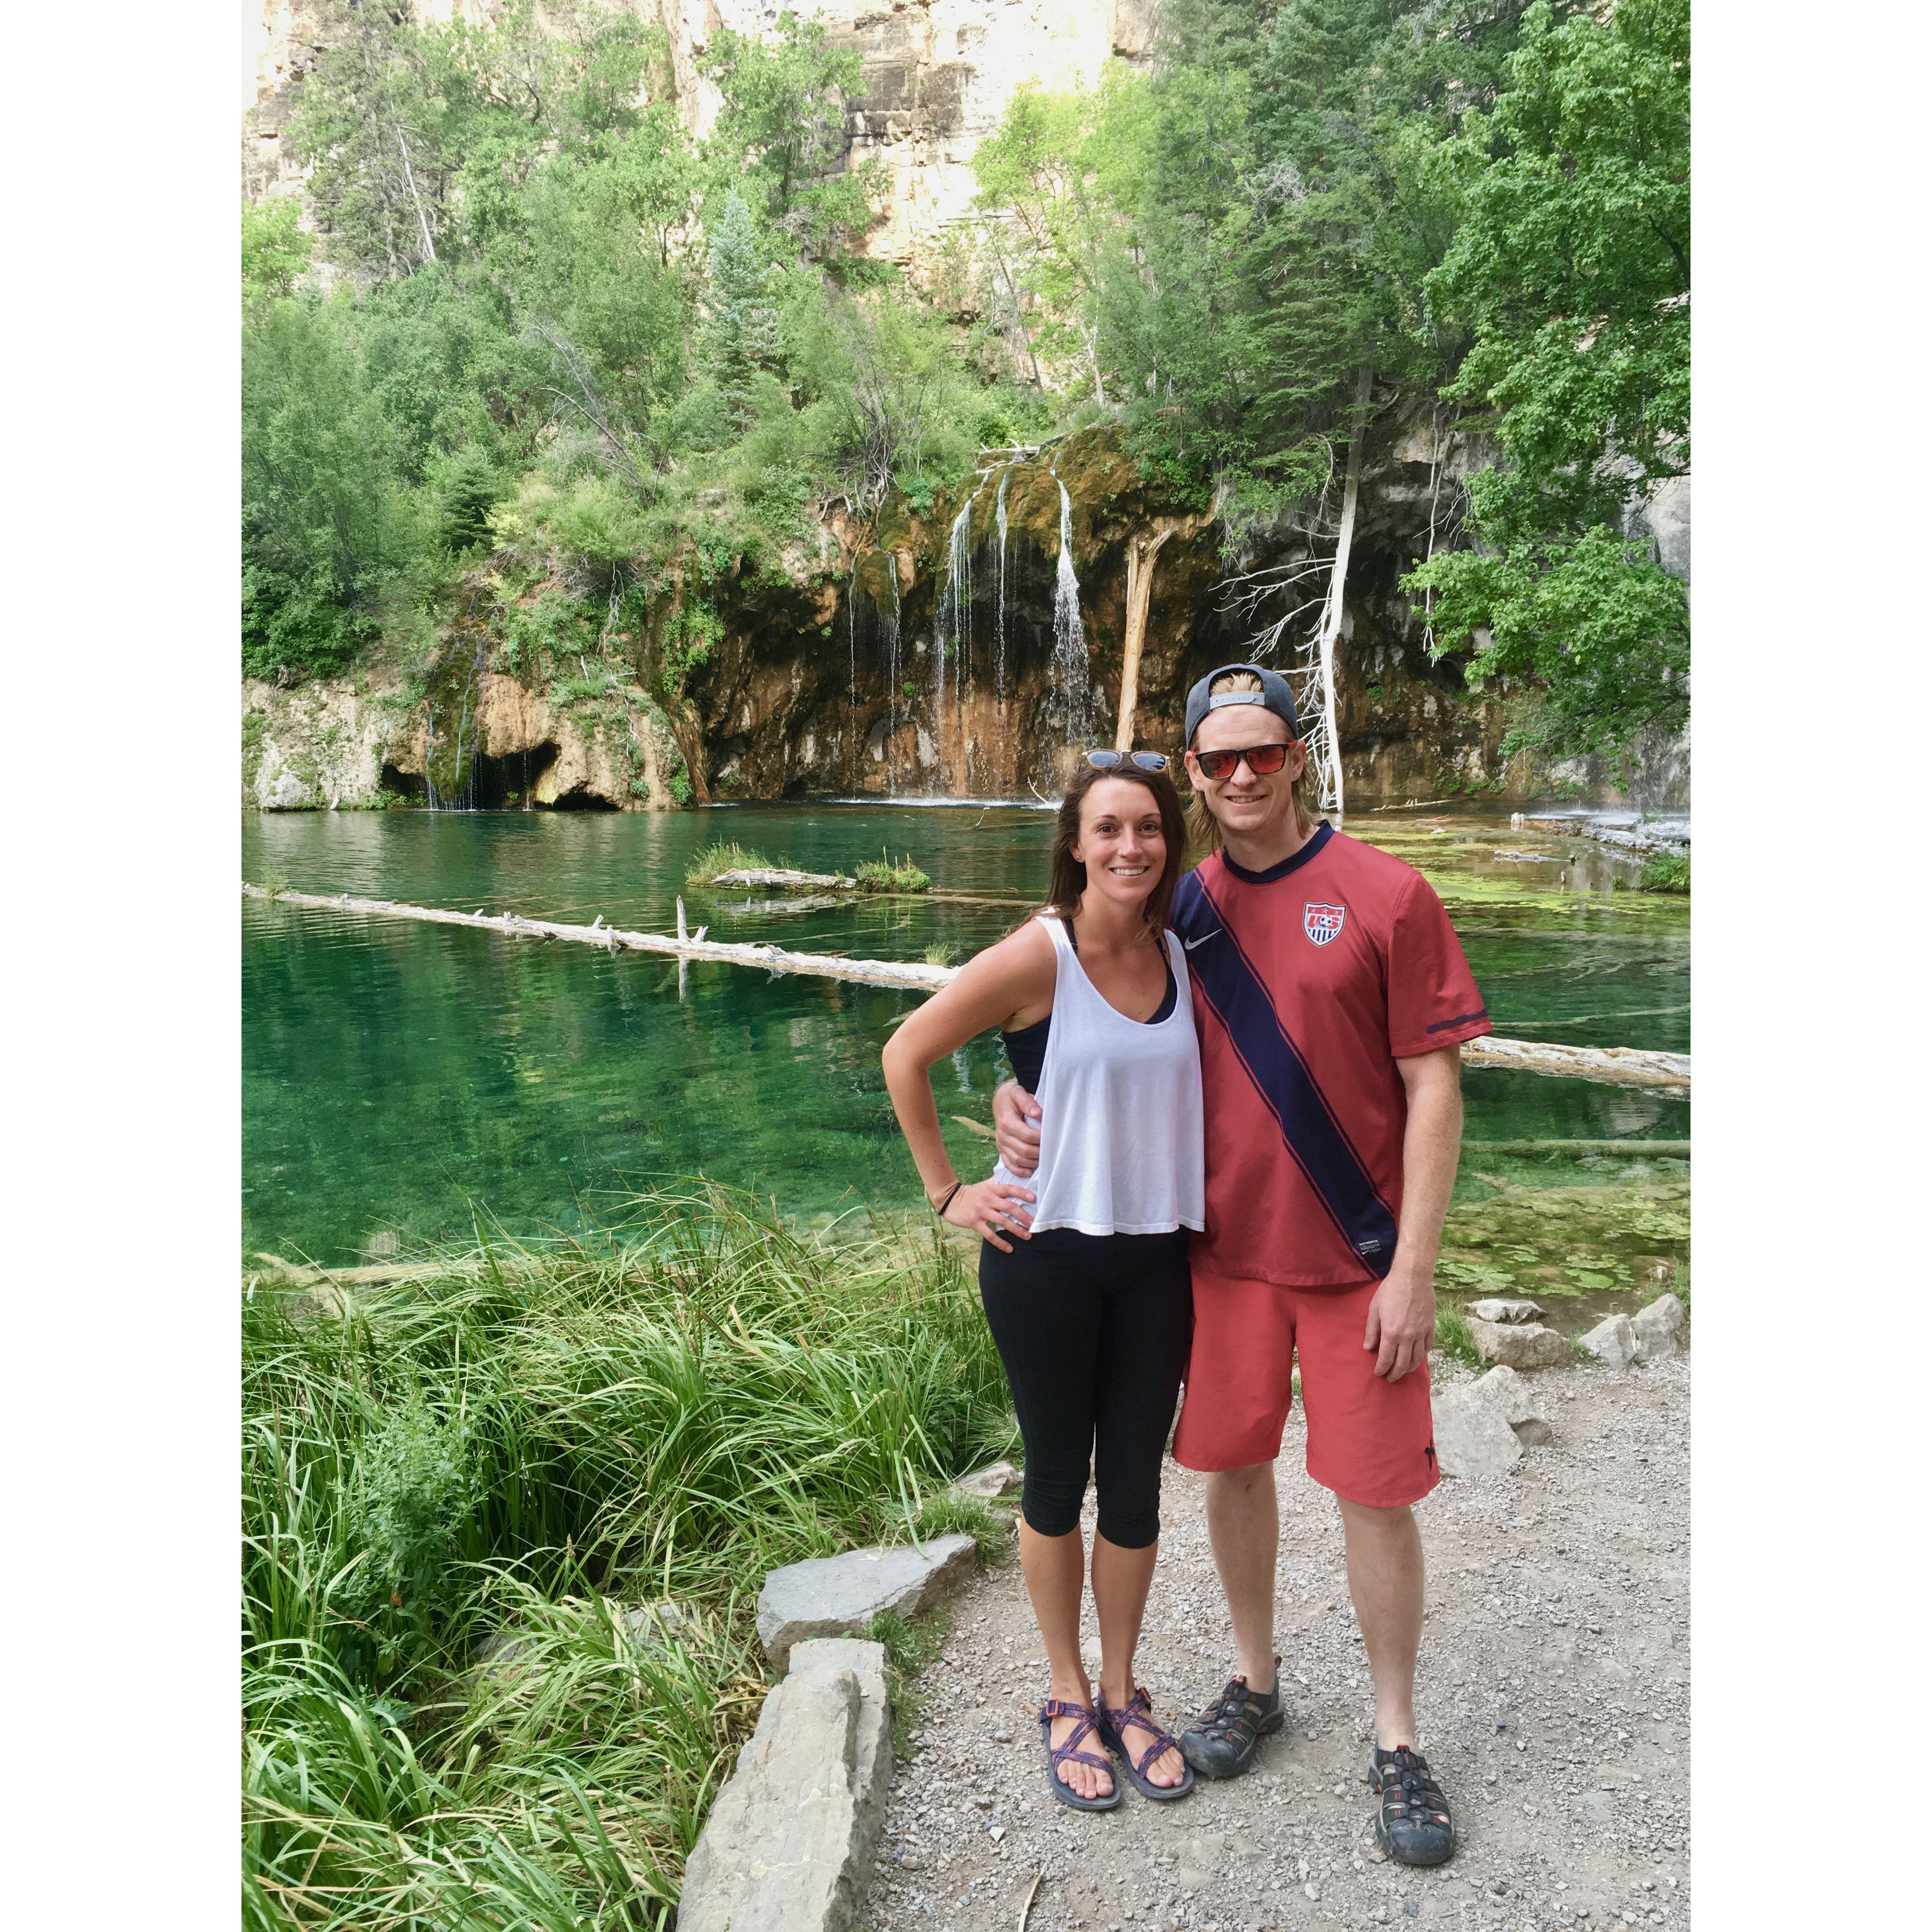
782, 130
324, 533
1570, 272
738, 338
274, 251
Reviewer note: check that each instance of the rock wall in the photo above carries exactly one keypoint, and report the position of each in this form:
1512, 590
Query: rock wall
937, 74
886, 663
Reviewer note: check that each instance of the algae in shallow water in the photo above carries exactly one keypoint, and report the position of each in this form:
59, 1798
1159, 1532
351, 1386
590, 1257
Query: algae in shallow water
1567, 1243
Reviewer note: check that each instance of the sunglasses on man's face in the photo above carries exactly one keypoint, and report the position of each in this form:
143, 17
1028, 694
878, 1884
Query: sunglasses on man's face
1263, 760
1108, 761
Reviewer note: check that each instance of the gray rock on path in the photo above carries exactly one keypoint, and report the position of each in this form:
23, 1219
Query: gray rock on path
1473, 1435
1524, 1345
791, 1838
1656, 1328
1495, 1309
989, 1484
839, 1596
1613, 1341
1509, 1395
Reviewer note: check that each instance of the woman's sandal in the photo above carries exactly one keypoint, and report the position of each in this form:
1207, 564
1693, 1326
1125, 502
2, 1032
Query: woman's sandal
1137, 1710
1056, 1707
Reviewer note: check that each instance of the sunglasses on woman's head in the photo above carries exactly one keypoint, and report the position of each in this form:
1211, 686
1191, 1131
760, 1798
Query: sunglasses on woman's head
1263, 760
1147, 761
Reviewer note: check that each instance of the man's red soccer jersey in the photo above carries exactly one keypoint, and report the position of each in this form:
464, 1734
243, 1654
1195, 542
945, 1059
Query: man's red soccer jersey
1311, 980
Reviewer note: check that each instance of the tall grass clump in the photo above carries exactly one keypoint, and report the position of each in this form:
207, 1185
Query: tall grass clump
885, 874
706, 867
1665, 872
503, 1528
1453, 1337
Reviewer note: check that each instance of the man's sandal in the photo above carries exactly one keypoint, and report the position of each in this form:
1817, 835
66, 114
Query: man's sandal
1223, 1744
1056, 1756
1139, 1711
1412, 1824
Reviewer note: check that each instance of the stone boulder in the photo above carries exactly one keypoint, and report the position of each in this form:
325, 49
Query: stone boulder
989, 1484
1613, 1341
839, 1596
1473, 1436
1494, 1309
789, 1843
1657, 1328
1526, 1344
1509, 1395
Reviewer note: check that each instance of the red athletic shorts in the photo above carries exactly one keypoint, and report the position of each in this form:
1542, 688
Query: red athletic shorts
1370, 1440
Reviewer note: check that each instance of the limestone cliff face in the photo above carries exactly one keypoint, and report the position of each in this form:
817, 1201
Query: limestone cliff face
937, 75
922, 655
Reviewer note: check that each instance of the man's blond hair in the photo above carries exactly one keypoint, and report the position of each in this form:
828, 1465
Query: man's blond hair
1203, 828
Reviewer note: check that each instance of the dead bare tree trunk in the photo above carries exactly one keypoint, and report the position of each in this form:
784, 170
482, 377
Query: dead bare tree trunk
1329, 772
1142, 549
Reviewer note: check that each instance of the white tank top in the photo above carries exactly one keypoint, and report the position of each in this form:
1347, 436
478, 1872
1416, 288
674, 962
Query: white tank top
1121, 1129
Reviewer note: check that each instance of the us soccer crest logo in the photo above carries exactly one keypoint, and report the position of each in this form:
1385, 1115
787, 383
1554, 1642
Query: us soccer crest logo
1322, 923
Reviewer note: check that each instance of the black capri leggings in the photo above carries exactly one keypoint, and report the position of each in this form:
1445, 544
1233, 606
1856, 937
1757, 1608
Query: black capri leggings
1092, 1330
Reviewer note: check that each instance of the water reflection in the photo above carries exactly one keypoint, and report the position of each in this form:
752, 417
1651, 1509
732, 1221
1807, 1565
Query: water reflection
398, 1078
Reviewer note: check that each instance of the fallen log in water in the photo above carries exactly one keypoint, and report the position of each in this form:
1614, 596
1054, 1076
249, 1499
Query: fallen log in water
1617, 1066
1635, 1149
787, 876
773, 958
1614, 1066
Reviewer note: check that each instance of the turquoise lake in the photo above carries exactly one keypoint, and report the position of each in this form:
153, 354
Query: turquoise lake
397, 1076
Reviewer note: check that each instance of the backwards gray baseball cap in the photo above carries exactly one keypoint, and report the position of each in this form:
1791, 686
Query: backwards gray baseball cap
1274, 695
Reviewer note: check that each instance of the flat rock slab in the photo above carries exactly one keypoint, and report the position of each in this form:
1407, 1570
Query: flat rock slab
1496, 1309
790, 1840
1520, 1346
839, 1596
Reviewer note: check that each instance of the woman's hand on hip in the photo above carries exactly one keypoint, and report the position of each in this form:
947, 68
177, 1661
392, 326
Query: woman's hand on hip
990, 1208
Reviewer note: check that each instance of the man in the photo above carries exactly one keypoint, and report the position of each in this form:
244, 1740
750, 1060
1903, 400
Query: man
1332, 999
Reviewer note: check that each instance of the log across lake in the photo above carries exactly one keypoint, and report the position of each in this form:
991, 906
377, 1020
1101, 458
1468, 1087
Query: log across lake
398, 1072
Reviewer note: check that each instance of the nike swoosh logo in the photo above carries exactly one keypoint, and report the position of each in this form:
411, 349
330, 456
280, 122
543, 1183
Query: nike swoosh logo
1189, 945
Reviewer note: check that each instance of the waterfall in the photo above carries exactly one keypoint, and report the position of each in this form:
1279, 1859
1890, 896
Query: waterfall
1000, 622
1072, 680
954, 612
889, 634
854, 750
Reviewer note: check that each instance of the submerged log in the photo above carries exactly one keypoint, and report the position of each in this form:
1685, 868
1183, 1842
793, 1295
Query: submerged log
909, 973
1614, 1066
785, 877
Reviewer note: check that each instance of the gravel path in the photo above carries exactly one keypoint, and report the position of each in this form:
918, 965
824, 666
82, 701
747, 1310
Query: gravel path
1553, 1706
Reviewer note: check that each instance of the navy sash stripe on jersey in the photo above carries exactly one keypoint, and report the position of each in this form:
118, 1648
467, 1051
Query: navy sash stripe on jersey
1309, 1129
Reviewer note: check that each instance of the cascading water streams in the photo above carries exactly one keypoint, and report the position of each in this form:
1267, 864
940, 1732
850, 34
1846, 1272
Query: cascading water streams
1072, 677
853, 750
1000, 622
956, 616
889, 630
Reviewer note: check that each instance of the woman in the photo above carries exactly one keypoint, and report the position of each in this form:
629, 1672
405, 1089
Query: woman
1089, 1300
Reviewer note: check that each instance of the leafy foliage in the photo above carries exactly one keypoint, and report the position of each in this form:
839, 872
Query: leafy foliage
566, 1461
566, 331
1571, 268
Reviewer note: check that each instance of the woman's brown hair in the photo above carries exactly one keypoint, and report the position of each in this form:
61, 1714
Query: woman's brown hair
1069, 878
